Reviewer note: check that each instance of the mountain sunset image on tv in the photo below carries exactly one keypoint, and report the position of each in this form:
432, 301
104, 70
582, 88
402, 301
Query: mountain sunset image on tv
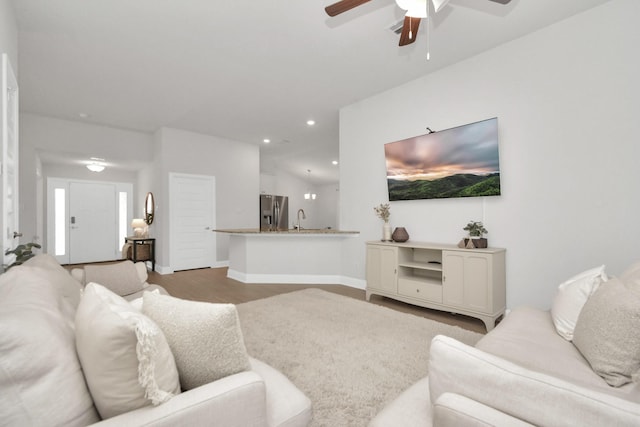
457, 162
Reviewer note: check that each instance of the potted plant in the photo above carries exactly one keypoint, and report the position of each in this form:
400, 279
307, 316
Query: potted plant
383, 211
476, 232
22, 252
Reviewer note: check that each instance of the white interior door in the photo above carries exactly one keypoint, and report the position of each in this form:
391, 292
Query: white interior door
92, 222
192, 219
9, 160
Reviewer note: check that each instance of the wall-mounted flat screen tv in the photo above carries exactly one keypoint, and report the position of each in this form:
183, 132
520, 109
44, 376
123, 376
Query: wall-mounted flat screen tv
457, 162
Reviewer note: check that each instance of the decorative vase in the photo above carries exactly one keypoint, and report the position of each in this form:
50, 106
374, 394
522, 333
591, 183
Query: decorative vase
386, 232
400, 235
480, 242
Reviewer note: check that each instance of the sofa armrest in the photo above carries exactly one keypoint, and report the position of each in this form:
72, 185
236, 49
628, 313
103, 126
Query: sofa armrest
520, 392
236, 400
453, 410
411, 409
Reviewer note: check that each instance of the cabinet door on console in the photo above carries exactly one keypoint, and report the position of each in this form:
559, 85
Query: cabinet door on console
382, 267
466, 280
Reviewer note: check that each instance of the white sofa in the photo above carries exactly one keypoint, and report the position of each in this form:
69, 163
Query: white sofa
42, 382
114, 273
524, 373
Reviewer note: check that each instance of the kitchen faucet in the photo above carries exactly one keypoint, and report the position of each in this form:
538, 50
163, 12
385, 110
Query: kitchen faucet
300, 211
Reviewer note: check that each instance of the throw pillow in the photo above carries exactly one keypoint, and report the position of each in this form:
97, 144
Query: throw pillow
58, 276
125, 357
608, 333
41, 379
571, 297
206, 339
122, 278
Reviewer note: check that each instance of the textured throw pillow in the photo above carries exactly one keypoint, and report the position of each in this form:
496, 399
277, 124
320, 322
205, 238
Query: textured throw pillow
206, 339
571, 297
122, 278
608, 333
125, 357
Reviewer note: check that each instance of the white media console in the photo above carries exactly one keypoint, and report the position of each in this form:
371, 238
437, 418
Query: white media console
442, 277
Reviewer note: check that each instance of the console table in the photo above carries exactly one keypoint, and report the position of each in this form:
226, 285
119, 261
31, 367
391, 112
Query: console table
142, 249
442, 277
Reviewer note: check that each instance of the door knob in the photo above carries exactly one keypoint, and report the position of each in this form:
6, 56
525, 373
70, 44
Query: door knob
16, 234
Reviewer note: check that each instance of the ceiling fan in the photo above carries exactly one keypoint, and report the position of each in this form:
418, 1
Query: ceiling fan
416, 10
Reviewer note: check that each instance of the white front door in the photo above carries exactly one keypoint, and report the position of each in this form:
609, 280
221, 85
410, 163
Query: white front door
9, 160
93, 222
87, 221
192, 219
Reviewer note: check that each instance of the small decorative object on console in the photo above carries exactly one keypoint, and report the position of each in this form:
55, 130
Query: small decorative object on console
384, 212
400, 235
475, 240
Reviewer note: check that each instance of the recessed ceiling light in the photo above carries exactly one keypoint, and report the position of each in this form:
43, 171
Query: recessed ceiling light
266, 140
311, 122
84, 115
335, 162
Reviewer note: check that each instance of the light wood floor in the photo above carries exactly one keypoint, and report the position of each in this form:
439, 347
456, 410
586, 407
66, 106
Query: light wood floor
212, 285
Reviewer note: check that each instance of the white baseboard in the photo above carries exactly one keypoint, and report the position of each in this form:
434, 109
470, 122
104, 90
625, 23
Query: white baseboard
163, 270
220, 264
302, 279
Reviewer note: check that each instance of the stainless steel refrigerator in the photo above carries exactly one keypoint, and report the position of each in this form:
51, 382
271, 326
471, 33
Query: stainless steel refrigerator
274, 212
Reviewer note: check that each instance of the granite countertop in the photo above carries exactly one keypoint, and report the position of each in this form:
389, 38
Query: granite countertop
292, 231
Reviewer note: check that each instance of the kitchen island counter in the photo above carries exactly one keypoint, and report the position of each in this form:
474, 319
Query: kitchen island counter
293, 232
308, 256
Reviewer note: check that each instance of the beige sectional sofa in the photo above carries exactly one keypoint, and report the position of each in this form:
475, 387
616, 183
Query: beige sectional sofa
42, 379
525, 373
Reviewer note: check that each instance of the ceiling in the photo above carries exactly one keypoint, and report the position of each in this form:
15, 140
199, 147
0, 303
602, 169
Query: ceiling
244, 70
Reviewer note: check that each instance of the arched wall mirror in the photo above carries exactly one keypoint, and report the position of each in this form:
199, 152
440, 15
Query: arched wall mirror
149, 208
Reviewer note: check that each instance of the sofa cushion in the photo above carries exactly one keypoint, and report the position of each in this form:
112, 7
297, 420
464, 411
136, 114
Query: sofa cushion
41, 380
571, 297
608, 333
121, 278
125, 357
58, 277
527, 328
206, 339
520, 392
141, 269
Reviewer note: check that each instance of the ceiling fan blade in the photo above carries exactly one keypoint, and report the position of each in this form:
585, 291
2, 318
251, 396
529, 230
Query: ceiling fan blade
343, 6
501, 1
409, 23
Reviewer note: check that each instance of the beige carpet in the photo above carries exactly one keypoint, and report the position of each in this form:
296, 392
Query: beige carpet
349, 357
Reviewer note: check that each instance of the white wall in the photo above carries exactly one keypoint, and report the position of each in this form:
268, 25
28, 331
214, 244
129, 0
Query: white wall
9, 33
567, 98
329, 200
236, 167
